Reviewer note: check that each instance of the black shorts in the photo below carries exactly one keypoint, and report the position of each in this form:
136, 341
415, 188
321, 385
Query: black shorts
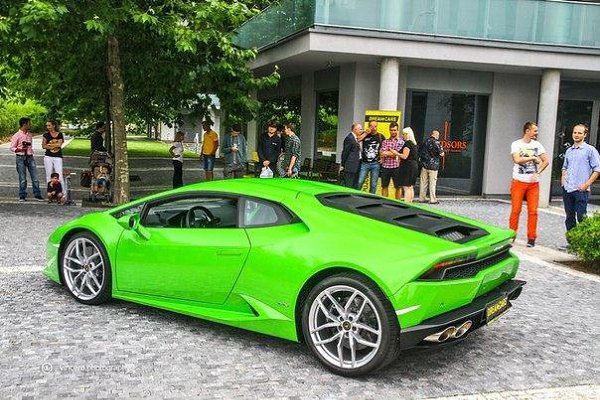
389, 173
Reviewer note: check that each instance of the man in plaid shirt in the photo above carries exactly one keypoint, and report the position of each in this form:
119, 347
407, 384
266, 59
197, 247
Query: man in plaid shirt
390, 162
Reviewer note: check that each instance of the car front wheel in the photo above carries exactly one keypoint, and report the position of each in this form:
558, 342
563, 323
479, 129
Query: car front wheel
85, 269
350, 325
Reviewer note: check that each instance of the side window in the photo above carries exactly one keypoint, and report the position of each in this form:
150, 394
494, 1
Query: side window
262, 213
131, 210
193, 212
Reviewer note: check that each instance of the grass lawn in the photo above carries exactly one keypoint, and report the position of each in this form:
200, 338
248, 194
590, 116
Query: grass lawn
136, 147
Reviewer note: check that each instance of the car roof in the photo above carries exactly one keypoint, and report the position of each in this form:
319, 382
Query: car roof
277, 187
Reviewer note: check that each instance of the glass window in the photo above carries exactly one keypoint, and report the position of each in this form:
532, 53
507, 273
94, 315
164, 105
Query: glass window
130, 210
193, 212
262, 213
327, 124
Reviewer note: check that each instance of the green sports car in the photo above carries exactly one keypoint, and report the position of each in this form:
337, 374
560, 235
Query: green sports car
357, 277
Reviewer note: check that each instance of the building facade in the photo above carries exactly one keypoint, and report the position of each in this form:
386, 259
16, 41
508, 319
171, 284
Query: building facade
476, 70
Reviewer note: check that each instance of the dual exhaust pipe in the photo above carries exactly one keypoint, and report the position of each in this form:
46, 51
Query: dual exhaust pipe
450, 333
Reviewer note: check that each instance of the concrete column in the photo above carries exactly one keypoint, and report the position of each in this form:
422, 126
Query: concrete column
357, 93
514, 100
308, 115
388, 84
402, 89
548, 107
252, 132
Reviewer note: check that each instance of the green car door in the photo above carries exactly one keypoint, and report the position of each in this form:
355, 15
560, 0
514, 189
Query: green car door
188, 248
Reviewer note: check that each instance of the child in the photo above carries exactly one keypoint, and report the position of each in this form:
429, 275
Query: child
176, 152
55, 191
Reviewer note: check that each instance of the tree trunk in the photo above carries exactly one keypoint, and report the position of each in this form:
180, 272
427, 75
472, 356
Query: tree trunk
108, 137
121, 165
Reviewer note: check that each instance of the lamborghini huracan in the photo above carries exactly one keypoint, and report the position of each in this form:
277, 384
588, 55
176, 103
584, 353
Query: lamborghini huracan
355, 276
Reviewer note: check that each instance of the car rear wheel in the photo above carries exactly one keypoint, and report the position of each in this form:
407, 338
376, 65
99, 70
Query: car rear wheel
349, 325
85, 269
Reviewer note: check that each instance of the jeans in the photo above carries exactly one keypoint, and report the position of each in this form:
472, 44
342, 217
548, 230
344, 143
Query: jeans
575, 207
25, 163
365, 168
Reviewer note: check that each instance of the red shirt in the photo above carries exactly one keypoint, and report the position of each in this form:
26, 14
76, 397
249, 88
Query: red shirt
16, 143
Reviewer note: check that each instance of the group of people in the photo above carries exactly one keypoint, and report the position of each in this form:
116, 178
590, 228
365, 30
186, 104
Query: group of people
22, 145
395, 159
581, 168
279, 152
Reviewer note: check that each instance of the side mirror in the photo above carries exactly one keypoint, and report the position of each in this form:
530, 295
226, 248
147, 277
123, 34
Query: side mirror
131, 222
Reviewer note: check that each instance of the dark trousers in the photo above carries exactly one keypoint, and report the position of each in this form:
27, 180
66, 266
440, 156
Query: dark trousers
350, 179
177, 174
575, 207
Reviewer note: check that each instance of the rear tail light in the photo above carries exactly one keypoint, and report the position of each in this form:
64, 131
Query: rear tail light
436, 272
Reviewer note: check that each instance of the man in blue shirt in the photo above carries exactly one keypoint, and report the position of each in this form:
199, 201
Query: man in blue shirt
580, 169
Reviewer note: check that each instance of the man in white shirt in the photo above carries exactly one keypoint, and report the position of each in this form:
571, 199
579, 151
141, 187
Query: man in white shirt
530, 159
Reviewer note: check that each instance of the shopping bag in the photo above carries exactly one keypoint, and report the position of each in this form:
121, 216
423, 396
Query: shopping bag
266, 173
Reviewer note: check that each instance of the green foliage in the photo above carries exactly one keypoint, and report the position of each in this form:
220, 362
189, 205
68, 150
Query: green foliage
584, 240
11, 112
172, 54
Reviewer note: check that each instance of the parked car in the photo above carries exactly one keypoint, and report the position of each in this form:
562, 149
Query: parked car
357, 277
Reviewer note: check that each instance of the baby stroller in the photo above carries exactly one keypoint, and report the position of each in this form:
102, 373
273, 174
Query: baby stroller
100, 171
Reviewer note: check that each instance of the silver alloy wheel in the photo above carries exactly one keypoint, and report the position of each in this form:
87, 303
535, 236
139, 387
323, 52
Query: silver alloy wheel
83, 268
345, 327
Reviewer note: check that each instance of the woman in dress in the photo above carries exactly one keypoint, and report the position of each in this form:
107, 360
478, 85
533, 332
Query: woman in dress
53, 158
409, 167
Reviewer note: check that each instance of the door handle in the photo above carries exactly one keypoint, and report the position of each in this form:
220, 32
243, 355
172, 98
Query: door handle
229, 252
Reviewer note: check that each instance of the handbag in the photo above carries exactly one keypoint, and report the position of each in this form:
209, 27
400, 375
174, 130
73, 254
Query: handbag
85, 179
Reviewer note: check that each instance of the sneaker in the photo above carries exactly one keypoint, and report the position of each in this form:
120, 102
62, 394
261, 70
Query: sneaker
40, 198
21, 198
530, 242
434, 202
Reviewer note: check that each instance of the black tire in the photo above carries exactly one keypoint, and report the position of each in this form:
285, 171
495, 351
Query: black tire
377, 313
84, 272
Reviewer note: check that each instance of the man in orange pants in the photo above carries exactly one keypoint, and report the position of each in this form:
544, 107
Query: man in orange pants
530, 159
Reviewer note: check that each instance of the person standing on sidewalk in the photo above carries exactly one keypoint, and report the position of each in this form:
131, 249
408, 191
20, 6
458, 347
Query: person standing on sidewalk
53, 159
390, 162
210, 144
431, 152
288, 164
351, 155
580, 169
234, 148
97, 139
369, 160
21, 144
269, 148
530, 160
176, 152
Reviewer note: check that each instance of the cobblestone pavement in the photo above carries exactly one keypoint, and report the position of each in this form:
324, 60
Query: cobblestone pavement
51, 346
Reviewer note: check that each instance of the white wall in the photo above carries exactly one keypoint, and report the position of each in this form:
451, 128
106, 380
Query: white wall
513, 102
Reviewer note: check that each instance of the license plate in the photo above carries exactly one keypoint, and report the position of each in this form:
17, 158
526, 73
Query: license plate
496, 309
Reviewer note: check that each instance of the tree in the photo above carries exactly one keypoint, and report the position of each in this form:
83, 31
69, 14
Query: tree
153, 59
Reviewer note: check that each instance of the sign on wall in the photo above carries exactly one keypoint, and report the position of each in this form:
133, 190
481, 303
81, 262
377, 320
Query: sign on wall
383, 118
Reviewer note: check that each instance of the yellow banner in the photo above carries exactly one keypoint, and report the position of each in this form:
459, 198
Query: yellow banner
383, 118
